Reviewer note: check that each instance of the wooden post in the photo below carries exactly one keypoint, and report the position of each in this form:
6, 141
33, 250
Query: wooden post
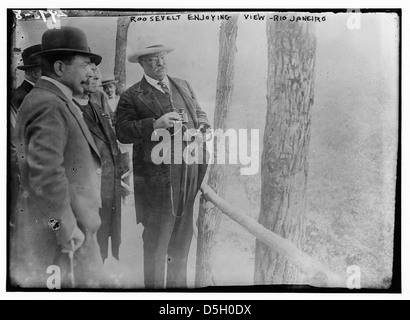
290, 91
209, 216
123, 24
15, 53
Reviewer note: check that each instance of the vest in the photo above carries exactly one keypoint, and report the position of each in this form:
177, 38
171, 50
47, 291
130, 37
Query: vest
176, 101
173, 103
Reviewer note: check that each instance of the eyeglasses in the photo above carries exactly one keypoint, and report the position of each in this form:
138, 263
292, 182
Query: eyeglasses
155, 59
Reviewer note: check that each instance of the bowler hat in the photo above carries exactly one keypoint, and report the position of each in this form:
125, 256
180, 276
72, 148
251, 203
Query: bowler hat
28, 61
64, 41
157, 48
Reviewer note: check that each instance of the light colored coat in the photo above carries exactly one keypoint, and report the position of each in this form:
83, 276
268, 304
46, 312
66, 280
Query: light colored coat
61, 180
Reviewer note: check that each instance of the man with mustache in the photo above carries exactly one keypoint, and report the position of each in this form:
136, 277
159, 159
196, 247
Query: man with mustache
164, 193
109, 85
60, 166
104, 137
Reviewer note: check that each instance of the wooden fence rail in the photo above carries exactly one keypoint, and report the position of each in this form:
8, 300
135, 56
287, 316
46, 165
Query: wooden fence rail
315, 273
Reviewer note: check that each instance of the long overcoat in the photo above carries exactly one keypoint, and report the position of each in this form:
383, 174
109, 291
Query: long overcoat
110, 180
60, 188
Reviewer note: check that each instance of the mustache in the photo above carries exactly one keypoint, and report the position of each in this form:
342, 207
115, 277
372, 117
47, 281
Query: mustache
88, 82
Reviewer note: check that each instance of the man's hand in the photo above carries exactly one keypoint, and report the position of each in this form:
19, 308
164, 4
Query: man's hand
167, 120
204, 127
106, 116
76, 241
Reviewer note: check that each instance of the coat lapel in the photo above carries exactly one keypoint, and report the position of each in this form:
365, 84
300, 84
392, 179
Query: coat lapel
93, 127
83, 126
147, 96
27, 86
70, 105
97, 133
109, 137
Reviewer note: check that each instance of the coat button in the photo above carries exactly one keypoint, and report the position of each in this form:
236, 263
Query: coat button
98, 171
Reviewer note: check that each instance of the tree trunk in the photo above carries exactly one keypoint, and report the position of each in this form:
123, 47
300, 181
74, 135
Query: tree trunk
123, 24
290, 89
209, 215
15, 53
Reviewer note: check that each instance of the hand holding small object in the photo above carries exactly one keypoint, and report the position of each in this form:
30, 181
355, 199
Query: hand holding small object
166, 121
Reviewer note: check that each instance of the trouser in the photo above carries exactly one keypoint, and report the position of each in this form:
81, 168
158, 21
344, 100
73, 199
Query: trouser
166, 249
168, 233
109, 228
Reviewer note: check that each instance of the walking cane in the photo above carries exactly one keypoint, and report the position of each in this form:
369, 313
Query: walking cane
71, 257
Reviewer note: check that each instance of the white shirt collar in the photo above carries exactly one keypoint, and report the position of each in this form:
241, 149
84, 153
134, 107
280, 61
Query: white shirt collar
155, 84
32, 83
82, 101
112, 103
66, 90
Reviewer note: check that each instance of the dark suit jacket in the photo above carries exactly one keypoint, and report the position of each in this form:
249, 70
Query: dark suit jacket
137, 109
20, 92
101, 99
60, 179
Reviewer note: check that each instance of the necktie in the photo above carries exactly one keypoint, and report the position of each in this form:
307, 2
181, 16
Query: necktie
164, 87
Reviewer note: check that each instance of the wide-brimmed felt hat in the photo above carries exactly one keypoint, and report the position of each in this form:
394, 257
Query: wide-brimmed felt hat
156, 48
65, 41
28, 60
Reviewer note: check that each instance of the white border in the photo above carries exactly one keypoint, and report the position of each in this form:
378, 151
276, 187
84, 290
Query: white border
237, 4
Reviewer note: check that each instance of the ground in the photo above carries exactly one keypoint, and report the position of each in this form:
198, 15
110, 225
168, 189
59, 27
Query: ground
233, 269
350, 214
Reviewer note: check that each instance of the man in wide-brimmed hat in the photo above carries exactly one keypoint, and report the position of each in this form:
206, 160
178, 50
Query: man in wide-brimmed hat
58, 208
32, 73
164, 193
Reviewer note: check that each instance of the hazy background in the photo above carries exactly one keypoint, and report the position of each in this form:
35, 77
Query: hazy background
353, 148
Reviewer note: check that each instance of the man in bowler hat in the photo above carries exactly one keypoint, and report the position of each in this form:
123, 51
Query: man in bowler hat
164, 193
59, 201
32, 73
